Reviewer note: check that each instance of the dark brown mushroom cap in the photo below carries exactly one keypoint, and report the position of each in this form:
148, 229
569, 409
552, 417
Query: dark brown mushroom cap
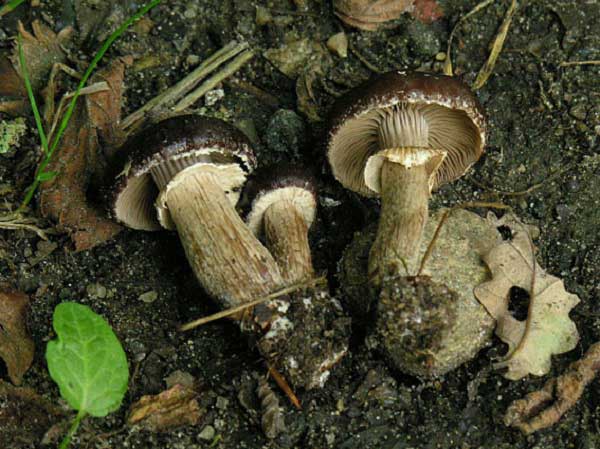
280, 183
449, 103
175, 143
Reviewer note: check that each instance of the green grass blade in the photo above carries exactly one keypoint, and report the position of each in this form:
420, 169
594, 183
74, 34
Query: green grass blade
36, 112
11, 5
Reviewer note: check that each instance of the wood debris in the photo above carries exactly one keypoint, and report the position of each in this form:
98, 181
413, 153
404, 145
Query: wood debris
16, 345
548, 330
172, 408
543, 408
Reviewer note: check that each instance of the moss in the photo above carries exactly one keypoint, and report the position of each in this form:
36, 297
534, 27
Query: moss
11, 133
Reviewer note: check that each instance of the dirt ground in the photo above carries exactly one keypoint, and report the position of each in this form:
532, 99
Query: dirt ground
544, 133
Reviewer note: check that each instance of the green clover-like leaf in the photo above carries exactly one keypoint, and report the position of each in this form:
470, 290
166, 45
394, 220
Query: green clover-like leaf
87, 360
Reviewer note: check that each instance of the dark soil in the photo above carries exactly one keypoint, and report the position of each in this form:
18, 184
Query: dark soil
544, 131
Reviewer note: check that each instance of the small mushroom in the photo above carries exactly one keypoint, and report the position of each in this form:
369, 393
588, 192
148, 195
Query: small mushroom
283, 207
185, 173
399, 137
283, 203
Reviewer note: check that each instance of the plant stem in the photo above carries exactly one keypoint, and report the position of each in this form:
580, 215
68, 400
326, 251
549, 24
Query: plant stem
74, 426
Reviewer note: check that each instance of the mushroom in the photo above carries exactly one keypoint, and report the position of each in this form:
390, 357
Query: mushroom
399, 137
282, 209
185, 173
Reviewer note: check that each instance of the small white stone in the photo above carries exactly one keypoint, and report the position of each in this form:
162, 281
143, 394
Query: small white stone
338, 44
148, 297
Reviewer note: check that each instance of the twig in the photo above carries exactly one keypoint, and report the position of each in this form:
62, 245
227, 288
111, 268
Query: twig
16, 224
234, 310
263, 96
100, 86
443, 220
488, 67
448, 62
545, 407
575, 63
364, 60
285, 387
178, 90
210, 83
51, 88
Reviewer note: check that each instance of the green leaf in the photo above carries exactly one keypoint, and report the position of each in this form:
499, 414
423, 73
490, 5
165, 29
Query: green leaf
87, 360
46, 176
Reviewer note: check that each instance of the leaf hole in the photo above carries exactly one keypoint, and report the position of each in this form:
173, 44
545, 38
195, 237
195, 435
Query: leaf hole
505, 232
518, 304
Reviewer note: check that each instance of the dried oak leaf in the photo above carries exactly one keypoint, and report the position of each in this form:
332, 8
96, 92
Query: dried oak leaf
79, 160
16, 346
548, 329
369, 15
42, 50
172, 408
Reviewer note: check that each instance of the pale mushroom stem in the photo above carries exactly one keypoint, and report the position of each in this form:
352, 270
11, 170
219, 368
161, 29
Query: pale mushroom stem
404, 209
228, 260
286, 234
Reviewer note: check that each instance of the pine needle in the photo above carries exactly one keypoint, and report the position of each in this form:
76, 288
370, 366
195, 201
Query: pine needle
448, 63
232, 311
489, 65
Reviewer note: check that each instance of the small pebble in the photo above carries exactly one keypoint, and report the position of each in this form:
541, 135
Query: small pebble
330, 438
578, 111
338, 44
213, 96
263, 16
207, 434
181, 378
220, 424
286, 133
192, 60
222, 403
96, 291
148, 297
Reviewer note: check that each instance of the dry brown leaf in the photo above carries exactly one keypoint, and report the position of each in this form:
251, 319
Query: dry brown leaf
172, 408
42, 50
548, 329
78, 160
369, 15
104, 108
16, 346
